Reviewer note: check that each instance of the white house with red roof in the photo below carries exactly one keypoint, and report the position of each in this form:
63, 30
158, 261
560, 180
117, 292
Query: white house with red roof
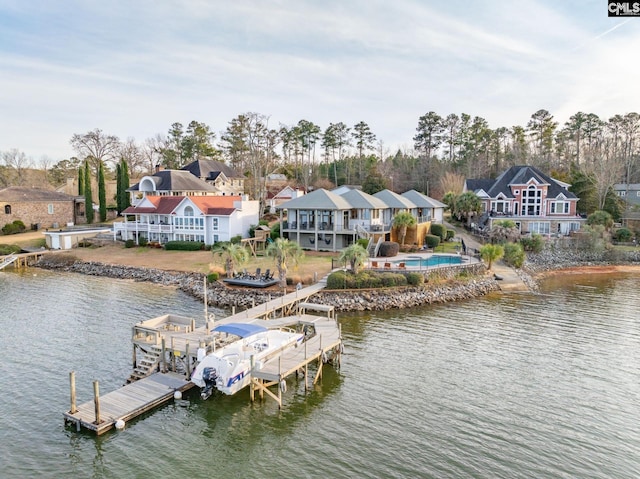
207, 219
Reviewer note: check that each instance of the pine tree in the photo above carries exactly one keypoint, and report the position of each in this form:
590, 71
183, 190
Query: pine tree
81, 180
124, 174
88, 201
119, 189
102, 193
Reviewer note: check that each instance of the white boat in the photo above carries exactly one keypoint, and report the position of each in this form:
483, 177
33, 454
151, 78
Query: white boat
228, 369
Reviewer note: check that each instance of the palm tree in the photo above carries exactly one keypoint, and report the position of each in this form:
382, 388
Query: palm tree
355, 255
491, 253
284, 252
233, 255
402, 221
467, 204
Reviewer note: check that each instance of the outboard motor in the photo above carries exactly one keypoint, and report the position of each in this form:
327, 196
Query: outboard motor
209, 376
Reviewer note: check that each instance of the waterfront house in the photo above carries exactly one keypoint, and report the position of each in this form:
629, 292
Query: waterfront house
325, 221
536, 202
39, 208
207, 219
225, 180
170, 183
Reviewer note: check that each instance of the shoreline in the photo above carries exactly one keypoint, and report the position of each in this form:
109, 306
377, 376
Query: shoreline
451, 289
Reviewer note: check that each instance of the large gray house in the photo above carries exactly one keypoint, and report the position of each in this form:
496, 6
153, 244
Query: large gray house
326, 221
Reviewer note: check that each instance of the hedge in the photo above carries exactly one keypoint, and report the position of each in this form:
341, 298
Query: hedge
370, 279
184, 245
439, 230
431, 241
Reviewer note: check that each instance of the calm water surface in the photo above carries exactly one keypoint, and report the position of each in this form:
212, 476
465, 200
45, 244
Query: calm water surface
507, 386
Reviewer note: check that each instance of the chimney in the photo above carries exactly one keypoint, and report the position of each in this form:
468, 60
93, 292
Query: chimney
159, 167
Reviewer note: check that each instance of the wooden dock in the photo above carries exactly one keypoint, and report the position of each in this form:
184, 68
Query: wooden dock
20, 260
127, 402
325, 345
171, 343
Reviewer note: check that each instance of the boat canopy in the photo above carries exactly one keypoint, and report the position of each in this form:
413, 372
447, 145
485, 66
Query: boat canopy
240, 329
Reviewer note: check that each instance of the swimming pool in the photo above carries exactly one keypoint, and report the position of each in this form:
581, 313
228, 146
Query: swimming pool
435, 260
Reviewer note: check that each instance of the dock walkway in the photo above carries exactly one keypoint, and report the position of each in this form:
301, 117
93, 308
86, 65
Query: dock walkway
178, 338
127, 402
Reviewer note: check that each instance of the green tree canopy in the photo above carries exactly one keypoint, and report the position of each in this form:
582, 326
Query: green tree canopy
285, 253
232, 254
402, 221
491, 253
355, 255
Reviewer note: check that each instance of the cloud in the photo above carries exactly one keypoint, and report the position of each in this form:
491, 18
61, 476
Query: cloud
132, 69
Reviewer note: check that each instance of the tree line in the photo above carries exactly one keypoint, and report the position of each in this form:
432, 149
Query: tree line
586, 151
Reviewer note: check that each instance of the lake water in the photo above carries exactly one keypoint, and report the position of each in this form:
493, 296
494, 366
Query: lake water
507, 386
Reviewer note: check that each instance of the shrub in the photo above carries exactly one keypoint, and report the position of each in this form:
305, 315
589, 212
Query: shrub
363, 242
6, 249
336, 280
415, 279
432, 241
129, 243
623, 235
212, 277
600, 217
450, 235
514, 255
388, 249
439, 230
13, 228
275, 231
184, 245
142, 241
534, 244
237, 239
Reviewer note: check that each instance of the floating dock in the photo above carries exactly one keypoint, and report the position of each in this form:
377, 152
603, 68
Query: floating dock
165, 352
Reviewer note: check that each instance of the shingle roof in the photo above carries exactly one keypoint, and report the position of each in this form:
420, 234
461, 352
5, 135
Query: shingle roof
360, 199
317, 200
394, 200
518, 175
210, 169
422, 201
176, 180
21, 193
164, 205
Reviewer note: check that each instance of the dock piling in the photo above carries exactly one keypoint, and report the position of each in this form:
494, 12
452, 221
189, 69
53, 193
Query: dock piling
72, 383
96, 400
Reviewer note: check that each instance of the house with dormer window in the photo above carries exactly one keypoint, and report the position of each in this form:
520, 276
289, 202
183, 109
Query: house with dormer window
536, 202
206, 219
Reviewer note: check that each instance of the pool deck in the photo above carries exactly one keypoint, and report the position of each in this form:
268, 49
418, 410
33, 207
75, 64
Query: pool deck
394, 261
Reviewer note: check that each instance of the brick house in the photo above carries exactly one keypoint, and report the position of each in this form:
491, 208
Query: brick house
536, 202
39, 208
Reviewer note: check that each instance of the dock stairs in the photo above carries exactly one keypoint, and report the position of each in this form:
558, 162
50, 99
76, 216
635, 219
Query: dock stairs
147, 365
7, 260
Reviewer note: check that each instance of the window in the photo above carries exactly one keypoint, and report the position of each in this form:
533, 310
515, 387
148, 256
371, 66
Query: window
50, 208
540, 227
216, 225
637, 193
7, 209
559, 207
622, 193
531, 201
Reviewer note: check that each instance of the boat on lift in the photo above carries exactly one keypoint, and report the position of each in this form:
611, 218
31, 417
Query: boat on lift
228, 369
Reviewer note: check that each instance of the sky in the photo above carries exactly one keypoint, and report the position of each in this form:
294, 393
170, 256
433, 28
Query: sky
132, 68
